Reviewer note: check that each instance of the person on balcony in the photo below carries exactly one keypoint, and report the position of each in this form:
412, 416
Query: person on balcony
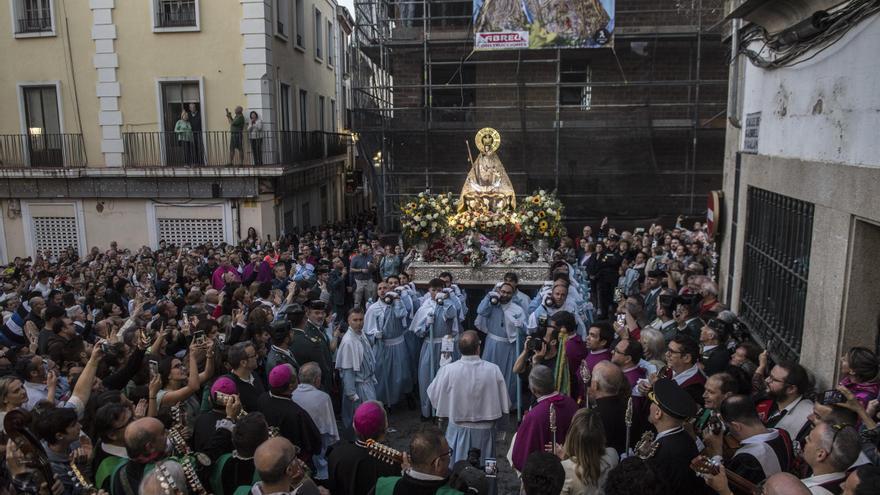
255, 134
183, 131
236, 127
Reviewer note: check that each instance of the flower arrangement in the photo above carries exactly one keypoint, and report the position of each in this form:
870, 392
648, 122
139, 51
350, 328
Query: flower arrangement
425, 217
540, 215
480, 237
491, 223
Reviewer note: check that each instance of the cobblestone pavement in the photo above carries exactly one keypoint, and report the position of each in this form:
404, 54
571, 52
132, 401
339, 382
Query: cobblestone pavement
405, 422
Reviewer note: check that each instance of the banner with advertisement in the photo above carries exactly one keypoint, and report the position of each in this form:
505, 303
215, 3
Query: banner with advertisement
536, 24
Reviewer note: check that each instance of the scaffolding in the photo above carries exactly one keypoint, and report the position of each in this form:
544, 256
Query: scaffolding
635, 132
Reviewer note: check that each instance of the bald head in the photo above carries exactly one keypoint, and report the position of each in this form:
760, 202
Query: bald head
541, 381
144, 438
272, 459
469, 343
608, 378
785, 484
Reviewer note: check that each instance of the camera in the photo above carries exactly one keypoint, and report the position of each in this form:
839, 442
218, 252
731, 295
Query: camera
199, 337
107, 349
831, 397
534, 344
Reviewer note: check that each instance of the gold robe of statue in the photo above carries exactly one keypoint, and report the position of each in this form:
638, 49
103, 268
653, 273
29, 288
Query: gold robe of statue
487, 187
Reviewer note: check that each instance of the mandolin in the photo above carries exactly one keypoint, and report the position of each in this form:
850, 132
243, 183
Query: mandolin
384, 453
704, 465
84, 485
17, 426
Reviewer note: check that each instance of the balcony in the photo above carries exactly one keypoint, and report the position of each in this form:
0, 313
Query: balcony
32, 24
42, 151
212, 149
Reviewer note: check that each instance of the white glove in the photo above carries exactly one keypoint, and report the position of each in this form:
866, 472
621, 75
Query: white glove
447, 290
494, 294
394, 294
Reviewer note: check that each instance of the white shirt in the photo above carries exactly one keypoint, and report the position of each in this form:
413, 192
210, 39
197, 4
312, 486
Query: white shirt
469, 390
813, 482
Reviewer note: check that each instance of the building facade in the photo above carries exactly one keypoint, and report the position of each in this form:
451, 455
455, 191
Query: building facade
95, 95
802, 180
634, 132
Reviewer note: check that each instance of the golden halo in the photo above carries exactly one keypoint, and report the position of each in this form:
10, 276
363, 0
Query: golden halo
490, 133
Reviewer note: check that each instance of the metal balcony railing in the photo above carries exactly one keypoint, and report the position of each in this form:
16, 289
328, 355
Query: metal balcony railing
33, 24
42, 151
223, 148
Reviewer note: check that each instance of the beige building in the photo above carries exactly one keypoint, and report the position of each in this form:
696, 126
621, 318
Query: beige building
92, 151
801, 212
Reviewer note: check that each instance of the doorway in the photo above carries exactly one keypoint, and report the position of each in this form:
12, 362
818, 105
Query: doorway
44, 139
861, 317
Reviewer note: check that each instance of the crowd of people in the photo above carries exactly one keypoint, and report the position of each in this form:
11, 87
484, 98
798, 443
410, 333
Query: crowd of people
273, 367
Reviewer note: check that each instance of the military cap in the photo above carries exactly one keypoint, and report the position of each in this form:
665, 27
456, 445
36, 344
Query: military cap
672, 399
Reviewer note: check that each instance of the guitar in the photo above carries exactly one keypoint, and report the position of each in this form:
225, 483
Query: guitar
704, 465
17, 424
384, 453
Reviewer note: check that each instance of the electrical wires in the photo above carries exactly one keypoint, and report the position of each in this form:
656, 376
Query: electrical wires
787, 48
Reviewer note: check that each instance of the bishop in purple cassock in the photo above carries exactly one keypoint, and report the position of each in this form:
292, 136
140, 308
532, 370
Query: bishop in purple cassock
534, 432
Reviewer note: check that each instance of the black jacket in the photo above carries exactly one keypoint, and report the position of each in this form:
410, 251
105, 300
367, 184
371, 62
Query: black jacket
613, 413
353, 471
294, 423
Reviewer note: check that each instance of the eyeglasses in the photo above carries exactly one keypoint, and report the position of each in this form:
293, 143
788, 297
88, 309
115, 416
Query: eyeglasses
771, 378
670, 350
446, 454
837, 429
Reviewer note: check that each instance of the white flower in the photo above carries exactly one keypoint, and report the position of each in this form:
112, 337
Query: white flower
529, 214
417, 218
423, 223
541, 192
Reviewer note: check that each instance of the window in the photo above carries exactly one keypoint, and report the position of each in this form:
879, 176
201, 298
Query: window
580, 95
196, 231
300, 24
282, 18
45, 143
33, 18
176, 97
175, 15
321, 113
284, 120
303, 110
779, 231
333, 115
54, 233
330, 46
319, 36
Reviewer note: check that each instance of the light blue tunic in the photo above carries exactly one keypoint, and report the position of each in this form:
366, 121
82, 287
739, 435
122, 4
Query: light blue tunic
362, 382
393, 369
444, 324
498, 349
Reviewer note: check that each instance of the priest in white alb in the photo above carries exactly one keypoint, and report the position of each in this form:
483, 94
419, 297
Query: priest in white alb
472, 394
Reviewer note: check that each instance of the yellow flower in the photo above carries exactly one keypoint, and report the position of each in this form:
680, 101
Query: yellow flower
543, 225
541, 214
425, 235
536, 200
460, 228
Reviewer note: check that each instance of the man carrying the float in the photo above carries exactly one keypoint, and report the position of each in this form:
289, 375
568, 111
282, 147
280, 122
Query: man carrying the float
504, 322
385, 326
436, 322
